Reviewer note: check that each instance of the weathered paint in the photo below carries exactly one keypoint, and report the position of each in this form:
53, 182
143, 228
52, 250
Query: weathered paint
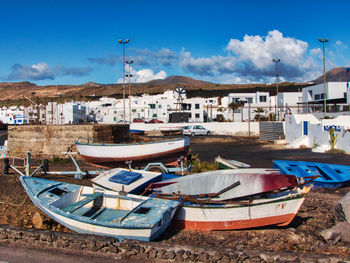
114, 214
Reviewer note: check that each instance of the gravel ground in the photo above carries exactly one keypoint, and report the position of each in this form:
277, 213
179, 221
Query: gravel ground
302, 235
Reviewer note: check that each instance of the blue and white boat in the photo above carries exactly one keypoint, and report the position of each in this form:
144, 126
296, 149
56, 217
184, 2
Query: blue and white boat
329, 175
86, 210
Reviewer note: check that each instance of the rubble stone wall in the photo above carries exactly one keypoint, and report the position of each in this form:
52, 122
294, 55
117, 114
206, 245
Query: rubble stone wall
148, 251
51, 140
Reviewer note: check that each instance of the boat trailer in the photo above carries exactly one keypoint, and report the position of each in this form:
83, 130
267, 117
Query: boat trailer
43, 168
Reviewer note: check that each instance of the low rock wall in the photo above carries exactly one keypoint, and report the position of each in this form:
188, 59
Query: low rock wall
51, 140
146, 251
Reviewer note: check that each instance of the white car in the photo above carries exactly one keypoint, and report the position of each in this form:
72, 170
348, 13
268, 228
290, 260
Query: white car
195, 130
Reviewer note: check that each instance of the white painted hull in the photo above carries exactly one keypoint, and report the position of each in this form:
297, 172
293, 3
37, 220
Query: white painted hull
278, 211
101, 154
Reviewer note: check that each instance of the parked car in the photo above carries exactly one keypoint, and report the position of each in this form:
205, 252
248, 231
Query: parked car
138, 120
195, 130
155, 121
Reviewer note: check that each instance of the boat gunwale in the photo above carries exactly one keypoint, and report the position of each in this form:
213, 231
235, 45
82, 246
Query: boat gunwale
185, 139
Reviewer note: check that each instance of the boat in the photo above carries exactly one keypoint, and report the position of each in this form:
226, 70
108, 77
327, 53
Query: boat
223, 163
329, 175
128, 180
117, 155
227, 184
274, 209
85, 210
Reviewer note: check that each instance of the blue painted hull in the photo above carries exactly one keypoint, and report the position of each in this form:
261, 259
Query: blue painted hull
330, 175
107, 213
137, 132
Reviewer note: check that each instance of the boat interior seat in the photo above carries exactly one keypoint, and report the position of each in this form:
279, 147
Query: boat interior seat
89, 198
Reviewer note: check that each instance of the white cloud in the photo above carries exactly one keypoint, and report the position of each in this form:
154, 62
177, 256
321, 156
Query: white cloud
144, 75
260, 51
42, 71
38, 71
250, 60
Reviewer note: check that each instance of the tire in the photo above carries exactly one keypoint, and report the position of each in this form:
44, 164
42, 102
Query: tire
6, 165
45, 166
193, 134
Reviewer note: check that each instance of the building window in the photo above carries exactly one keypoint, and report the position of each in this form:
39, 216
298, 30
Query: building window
262, 98
196, 106
154, 115
159, 106
249, 100
197, 115
152, 106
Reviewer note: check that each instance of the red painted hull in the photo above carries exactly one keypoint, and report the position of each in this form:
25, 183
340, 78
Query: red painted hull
282, 220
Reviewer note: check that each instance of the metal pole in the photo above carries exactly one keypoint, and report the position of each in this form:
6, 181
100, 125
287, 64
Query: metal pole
276, 106
324, 75
129, 75
123, 43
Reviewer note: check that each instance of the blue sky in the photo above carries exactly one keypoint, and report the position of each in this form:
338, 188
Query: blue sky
73, 42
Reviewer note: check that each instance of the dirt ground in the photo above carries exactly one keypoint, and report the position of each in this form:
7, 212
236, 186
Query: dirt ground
302, 235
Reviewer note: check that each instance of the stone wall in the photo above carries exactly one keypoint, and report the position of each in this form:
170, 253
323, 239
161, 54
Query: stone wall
51, 140
137, 251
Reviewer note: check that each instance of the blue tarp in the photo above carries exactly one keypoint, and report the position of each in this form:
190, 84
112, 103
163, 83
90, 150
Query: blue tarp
125, 177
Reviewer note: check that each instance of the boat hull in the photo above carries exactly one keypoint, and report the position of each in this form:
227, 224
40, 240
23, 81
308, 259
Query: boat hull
82, 218
329, 175
116, 155
231, 217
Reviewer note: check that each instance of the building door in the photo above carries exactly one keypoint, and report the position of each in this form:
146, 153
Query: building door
305, 128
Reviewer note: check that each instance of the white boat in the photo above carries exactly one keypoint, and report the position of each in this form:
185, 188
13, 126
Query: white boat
223, 163
276, 209
116, 155
128, 180
227, 184
108, 213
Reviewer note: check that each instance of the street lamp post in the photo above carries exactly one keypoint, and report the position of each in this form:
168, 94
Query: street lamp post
324, 75
123, 43
347, 85
276, 106
129, 76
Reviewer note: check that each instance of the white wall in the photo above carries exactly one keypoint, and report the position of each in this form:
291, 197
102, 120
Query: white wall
318, 136
217, 128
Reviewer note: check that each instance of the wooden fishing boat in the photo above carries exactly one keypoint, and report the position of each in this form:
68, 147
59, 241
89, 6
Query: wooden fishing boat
274, 209
223, 163
227, 184
329, 175
116, 155
107, 213
128, 180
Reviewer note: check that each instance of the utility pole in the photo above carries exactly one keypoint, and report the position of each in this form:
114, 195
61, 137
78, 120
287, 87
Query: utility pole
129, 76
324, 75
123, 43
276, 106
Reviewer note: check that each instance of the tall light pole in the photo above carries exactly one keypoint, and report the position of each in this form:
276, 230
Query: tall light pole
347, 85
123, 43
276, 106
324, 74
129, 76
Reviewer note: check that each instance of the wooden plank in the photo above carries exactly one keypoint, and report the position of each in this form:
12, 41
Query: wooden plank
72, 207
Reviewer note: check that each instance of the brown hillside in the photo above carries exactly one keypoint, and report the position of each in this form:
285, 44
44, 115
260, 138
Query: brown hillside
334, 75
16, 91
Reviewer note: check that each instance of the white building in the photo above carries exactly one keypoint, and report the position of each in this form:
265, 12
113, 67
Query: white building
336, 97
